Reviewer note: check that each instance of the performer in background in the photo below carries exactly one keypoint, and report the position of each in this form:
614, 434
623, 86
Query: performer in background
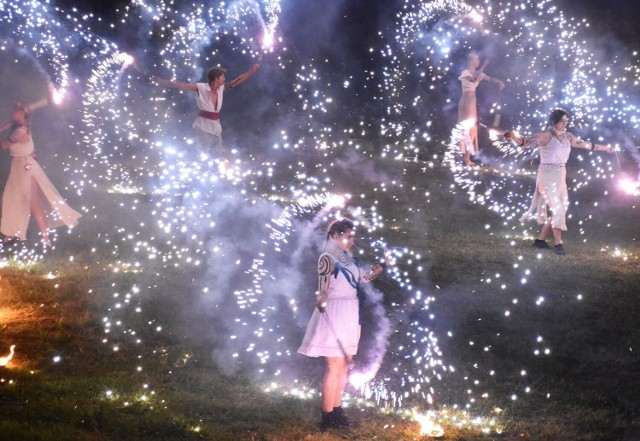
551, 182
470, 79
209, 100
28, 189
333, 331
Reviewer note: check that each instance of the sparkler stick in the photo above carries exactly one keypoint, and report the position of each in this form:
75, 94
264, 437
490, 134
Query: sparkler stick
615, 152
484, 65
267, 44
498, 115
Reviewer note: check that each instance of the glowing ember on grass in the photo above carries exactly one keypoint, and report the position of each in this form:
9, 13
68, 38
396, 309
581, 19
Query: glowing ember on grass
5, 360
428, 426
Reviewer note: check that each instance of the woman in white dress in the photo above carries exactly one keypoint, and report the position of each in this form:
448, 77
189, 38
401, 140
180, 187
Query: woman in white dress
28, 189
551, 181
333, 331
470, 78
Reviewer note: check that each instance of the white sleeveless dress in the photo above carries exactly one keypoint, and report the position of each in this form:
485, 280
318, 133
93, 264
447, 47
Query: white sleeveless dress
551, 185
16, 198
339, 324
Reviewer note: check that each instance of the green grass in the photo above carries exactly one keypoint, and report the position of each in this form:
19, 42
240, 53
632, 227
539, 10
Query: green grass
584, 390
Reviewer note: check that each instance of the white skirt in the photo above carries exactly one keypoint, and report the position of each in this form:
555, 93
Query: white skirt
551, 193
16, 199
335, 332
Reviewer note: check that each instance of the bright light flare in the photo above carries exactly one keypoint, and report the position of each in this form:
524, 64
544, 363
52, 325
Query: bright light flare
495, 134
128, 60
476, 16
360, 379
5, 360
57, 95
427, 426
267, 40
630, 187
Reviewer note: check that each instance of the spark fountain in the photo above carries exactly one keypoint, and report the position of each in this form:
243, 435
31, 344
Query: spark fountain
246, 230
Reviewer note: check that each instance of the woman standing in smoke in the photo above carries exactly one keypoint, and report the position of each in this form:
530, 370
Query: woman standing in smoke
209, 101
28, 189
551, 182
467, 107
333, 331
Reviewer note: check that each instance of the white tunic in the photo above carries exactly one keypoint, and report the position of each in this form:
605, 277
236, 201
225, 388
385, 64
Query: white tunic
204, 102
16, 198
470, 86
338, 328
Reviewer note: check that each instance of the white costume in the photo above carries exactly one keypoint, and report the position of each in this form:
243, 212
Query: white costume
339, 324
208, 130
16, 198
551, 184
468, 108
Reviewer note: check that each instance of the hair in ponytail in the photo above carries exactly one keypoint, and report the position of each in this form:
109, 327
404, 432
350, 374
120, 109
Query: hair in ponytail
340, 226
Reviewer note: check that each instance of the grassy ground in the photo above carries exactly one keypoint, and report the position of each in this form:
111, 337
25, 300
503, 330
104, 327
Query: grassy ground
585, 389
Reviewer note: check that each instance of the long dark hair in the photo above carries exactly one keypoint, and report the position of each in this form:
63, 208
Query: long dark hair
556, 115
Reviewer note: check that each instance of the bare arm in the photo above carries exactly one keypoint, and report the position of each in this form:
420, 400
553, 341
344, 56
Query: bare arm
16, 136
175, 84
588, 145
494, 80
242, 78
39, 104
7, 126
325, 268
540, 139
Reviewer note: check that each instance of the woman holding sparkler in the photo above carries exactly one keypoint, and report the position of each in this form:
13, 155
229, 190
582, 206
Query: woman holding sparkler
209, 100
28, 189
333, 331
467, 106
551, 185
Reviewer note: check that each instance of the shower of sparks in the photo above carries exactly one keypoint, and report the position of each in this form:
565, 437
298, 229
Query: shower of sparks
254, 220
144, 156
547, 60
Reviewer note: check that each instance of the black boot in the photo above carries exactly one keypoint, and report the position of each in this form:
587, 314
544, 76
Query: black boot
327, 421
341, 419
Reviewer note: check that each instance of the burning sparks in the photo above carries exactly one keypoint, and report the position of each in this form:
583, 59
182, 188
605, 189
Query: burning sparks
630, 187
427, 425
242, 217
4, 361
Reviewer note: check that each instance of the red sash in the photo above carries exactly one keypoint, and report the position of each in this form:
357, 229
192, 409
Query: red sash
209, 115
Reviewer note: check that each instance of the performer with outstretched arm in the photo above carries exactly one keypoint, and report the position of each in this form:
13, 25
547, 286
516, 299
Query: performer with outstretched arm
209, 100
551, 182
470, 78
333, 331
